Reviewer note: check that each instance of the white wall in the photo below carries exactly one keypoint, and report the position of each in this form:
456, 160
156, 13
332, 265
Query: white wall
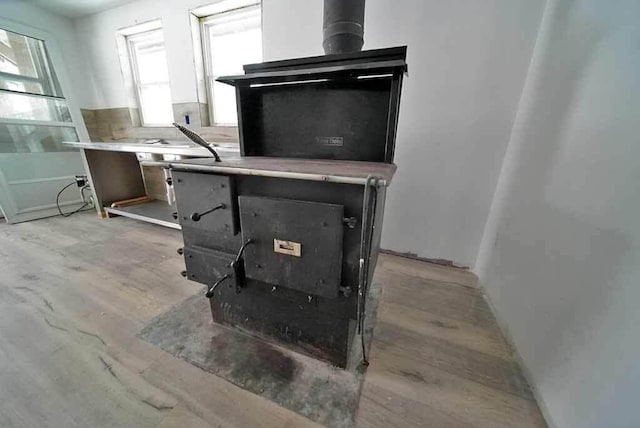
467, 65
98, 43
560, 256
97, 36
62, 32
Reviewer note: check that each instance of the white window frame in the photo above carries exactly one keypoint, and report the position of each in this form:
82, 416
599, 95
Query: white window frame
205, 15
131, 40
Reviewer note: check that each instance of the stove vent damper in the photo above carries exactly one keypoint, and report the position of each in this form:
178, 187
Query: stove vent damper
343, 26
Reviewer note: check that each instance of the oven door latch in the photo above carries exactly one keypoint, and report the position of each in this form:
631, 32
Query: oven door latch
236, 272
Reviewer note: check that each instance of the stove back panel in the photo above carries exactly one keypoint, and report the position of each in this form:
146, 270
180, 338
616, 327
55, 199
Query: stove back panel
324, 120
339, 106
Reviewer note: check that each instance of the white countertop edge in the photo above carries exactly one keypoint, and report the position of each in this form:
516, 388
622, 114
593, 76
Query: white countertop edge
132, 147
263, 173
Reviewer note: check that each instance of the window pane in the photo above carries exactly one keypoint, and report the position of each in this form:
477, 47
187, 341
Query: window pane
7, 65
150, 57
231, 50
20, 86
26, 57
235, 39
17, 106
17, 54
224, 103
156, 104
34, 138
151, 75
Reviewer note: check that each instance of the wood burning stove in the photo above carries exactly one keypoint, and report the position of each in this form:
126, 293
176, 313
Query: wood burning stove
286, 236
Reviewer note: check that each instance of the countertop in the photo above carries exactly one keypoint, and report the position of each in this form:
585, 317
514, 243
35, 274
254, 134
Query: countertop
155, 146
337, 171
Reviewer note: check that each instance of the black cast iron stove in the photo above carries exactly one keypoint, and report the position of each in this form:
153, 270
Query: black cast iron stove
286, 236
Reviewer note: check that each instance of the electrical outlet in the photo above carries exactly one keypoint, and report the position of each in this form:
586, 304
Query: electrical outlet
81, 180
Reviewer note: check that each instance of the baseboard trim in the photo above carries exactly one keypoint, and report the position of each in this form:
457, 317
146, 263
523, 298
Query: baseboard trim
414, 256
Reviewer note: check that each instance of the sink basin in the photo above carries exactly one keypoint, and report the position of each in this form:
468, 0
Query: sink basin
161, 142
157, 143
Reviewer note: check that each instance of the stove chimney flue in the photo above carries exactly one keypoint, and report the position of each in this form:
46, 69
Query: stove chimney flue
343, 26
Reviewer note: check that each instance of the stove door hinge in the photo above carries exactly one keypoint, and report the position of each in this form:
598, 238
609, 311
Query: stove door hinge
350, 222
346, 291
237, 265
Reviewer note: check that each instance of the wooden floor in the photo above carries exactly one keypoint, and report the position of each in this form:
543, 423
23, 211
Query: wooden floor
74, 292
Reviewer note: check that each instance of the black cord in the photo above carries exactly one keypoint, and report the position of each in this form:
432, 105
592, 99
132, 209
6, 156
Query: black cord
58, 201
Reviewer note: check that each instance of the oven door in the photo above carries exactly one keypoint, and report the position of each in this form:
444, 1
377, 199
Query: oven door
296, 244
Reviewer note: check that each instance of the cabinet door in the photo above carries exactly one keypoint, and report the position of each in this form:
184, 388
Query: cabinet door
197, 197
207, 266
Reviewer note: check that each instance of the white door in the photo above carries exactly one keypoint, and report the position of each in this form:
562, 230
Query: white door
35, 118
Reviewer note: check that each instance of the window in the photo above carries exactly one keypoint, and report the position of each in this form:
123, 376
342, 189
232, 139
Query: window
34, 116
231, 37
151, 77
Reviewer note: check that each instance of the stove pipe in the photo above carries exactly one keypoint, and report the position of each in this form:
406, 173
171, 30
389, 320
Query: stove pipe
343, 26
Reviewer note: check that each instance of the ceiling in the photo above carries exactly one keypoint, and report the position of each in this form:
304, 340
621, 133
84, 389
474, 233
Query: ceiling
78, 8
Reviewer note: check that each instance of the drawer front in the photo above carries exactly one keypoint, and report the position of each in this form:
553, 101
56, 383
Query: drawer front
207, 266
297, 244
197, 194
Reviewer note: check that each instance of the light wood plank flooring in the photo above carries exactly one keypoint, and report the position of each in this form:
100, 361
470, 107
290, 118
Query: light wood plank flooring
74, 292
